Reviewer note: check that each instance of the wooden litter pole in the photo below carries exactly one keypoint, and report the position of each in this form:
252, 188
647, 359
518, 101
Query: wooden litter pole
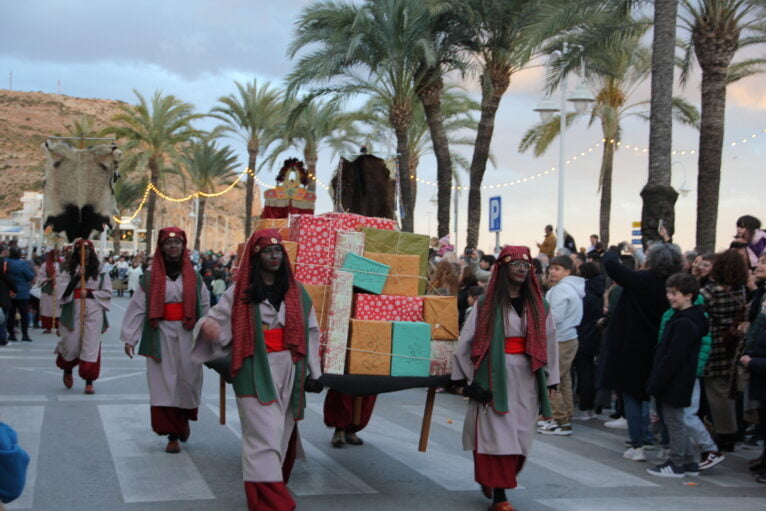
222, 401
357, 420
425, 428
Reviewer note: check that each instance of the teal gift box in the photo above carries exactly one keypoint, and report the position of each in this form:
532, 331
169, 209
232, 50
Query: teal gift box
411, 341
369, 275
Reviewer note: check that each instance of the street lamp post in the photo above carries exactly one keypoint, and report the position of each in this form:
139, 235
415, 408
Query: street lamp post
581, 97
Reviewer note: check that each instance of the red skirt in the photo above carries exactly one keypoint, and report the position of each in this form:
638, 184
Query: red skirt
339, 411
497, 471
169, 420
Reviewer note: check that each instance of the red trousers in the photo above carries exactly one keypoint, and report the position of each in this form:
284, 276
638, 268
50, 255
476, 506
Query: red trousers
169, 420
268, 497
339, 411
49, 322
89, 371
497, 471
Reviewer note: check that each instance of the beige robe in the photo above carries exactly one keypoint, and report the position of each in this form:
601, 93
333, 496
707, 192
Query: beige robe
46, 300
70, 347
489, 432
266, 429
176, 380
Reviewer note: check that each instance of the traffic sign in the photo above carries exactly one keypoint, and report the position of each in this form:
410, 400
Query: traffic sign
495, 214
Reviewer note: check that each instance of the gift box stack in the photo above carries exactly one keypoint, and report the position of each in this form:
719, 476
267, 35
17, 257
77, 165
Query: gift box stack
367, 281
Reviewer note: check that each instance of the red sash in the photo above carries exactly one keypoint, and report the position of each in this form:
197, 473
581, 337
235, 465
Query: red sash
274, 339
515, 345
78, 293
174, 311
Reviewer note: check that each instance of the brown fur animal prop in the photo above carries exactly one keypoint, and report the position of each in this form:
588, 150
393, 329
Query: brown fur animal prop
79, 187
366, 187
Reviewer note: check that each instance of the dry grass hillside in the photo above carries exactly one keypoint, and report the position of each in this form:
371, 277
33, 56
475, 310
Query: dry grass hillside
28, 118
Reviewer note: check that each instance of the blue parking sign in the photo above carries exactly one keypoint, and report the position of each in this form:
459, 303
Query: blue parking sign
495, 214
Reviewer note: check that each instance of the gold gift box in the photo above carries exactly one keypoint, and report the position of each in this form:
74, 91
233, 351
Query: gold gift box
369, 348
441, 313
404, 275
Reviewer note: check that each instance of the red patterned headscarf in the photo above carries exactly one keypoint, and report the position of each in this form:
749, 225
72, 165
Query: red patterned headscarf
157, 290
242, 328
536, 337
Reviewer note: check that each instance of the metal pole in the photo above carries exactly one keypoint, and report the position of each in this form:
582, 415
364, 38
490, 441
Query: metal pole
562, 132
455, 208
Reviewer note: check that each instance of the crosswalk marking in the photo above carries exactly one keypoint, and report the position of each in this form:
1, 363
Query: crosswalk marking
644, 502
444, 466
22, 398
318, 474
145, 472
28, 423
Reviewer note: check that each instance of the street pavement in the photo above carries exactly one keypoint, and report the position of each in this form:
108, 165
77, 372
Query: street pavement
98, 452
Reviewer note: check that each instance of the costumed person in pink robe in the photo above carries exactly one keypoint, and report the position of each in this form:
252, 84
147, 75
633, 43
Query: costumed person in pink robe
266, 322
75, 349
339, 414
46, 279
162, 313
506, 361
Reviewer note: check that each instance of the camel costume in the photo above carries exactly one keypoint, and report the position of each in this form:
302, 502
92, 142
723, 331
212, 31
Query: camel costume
71, 349
274, 350
162, 315
514, 356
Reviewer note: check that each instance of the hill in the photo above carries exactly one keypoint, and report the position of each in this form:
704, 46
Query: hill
28, 118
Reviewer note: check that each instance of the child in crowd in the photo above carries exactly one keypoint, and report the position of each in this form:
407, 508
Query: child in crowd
674, 372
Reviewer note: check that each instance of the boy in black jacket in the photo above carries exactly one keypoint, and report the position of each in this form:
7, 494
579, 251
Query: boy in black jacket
674, 371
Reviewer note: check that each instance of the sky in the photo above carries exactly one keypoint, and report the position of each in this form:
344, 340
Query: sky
196, 50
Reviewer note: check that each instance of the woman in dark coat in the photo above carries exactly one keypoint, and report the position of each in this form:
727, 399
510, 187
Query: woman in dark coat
632, 335
754, 359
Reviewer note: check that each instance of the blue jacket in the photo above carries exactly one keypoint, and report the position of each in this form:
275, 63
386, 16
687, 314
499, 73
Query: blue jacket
13, 465
22, 275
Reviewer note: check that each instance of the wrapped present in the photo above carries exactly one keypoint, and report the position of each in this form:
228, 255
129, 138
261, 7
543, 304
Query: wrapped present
316, 248
388, 308
369, 275
441, 357
320, 297
441, 313
404, 278
369, 347
291, 248
410, 349
338, 316
271, 223
354, 222
402, 243
347, 242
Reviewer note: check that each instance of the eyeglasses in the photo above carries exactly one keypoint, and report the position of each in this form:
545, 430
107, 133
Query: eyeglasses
520, 265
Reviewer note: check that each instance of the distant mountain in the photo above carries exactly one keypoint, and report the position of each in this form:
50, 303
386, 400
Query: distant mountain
27, 119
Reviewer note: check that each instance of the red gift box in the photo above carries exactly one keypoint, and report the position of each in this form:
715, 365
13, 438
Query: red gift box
354, 222
316, 248
388, 307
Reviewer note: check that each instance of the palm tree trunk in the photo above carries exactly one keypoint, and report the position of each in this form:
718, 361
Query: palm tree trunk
200, 223
605, 213
154, 177
400, 116
496, 78
659, 198
310, 158
713, 109
430, 97
252, 153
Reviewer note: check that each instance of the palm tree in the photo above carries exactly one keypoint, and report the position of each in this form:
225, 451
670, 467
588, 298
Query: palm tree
126, 196
207, 166
377, 39
718, 29
155, 130
614, 74
316, 126
253, 116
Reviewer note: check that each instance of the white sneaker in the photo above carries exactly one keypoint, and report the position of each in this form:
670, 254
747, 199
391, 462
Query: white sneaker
544, 423
621, 423
584, 415
635, 454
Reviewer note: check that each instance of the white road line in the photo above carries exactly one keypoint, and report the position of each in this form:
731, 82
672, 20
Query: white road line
318, 474
21, 398
624, 503
121, 376
28, 423
446, 466
146, 473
